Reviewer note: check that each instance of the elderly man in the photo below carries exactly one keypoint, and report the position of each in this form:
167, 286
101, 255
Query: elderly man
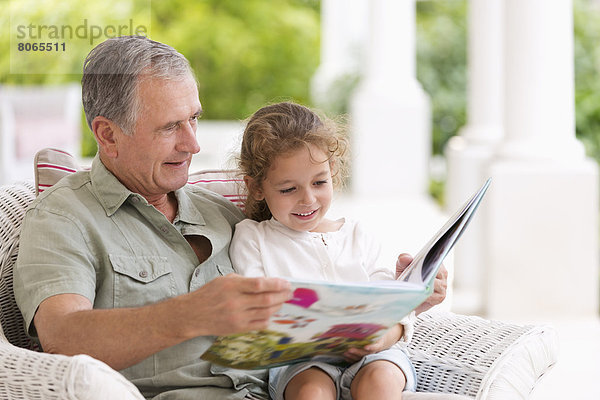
126, 262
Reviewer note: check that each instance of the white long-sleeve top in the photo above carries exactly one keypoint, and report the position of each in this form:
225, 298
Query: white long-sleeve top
269, 248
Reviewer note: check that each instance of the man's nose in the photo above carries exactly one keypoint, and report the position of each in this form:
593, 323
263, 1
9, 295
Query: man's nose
188, 142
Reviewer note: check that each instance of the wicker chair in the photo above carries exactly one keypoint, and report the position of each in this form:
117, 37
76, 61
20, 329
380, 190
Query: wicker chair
452, 353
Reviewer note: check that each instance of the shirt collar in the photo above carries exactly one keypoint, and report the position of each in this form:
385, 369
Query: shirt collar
290, 232
187, 212
302, 234
111, 192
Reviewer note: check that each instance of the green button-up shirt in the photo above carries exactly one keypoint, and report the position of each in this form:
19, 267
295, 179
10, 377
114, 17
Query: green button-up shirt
90, 235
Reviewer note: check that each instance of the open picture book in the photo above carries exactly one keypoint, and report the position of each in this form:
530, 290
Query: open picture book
324, 319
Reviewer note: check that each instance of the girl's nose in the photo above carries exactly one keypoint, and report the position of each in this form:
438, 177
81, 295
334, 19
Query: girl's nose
308, 198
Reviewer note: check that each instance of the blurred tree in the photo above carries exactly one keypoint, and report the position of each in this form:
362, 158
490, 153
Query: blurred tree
587, 74
245, 53
441, 64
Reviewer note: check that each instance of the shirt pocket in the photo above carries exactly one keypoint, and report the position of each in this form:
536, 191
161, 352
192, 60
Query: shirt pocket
141, 280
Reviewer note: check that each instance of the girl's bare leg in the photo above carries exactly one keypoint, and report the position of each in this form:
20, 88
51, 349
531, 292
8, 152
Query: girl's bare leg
312, 384
378, 380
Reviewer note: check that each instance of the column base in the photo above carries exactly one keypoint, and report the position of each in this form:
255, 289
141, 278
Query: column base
542, 239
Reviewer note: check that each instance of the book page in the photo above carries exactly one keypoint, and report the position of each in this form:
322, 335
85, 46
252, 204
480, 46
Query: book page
322, 320
424, 267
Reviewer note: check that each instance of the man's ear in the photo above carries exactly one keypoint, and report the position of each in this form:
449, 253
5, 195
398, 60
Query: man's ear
105, 132
254, 189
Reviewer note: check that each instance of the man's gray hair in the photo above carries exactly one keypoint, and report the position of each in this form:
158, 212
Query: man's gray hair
112, 71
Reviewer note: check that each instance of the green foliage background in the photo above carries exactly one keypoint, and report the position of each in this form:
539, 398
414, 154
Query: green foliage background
245, 53
251, 52
441, 64
587, 75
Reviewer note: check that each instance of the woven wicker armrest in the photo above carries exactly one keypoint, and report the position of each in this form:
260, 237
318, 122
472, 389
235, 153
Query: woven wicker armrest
26, 374
479, 358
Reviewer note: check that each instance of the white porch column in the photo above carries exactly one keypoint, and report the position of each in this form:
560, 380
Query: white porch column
344, 27
390, 112
469, 153
543, 203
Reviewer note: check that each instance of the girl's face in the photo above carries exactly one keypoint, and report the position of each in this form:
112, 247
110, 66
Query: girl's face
298, 188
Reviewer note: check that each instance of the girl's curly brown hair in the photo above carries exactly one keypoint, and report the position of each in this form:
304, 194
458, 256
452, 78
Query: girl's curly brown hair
280, 129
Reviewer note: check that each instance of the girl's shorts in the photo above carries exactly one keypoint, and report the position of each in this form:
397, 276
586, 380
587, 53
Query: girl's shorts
341, 376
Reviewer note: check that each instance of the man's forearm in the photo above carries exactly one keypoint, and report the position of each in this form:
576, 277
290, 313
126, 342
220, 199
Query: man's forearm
119, 337
122, 337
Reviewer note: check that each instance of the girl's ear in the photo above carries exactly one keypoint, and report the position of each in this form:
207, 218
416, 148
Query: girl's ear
332, 165
254, 189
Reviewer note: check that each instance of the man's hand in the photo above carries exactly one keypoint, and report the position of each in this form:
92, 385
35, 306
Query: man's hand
234, 304
439, 288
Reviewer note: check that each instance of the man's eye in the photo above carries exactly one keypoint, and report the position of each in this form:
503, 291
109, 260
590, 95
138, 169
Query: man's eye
168, 130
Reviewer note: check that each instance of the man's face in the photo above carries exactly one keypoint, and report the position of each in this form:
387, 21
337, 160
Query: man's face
155, 159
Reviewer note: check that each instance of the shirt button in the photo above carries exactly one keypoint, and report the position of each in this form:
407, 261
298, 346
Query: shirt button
143, 274
164, 229
196, 273
135, 199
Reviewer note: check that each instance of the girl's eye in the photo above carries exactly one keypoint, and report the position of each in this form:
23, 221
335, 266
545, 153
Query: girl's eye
284, 191
318, 183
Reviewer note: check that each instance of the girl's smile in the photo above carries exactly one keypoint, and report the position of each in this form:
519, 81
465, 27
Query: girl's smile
298, 189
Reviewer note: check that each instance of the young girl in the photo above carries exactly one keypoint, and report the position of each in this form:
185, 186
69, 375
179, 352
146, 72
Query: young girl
292, 160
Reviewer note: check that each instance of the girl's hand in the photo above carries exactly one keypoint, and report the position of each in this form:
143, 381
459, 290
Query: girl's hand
385, 342
439, 288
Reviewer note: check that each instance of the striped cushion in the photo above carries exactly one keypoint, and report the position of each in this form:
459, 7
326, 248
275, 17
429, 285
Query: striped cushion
226, 182
50, 165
